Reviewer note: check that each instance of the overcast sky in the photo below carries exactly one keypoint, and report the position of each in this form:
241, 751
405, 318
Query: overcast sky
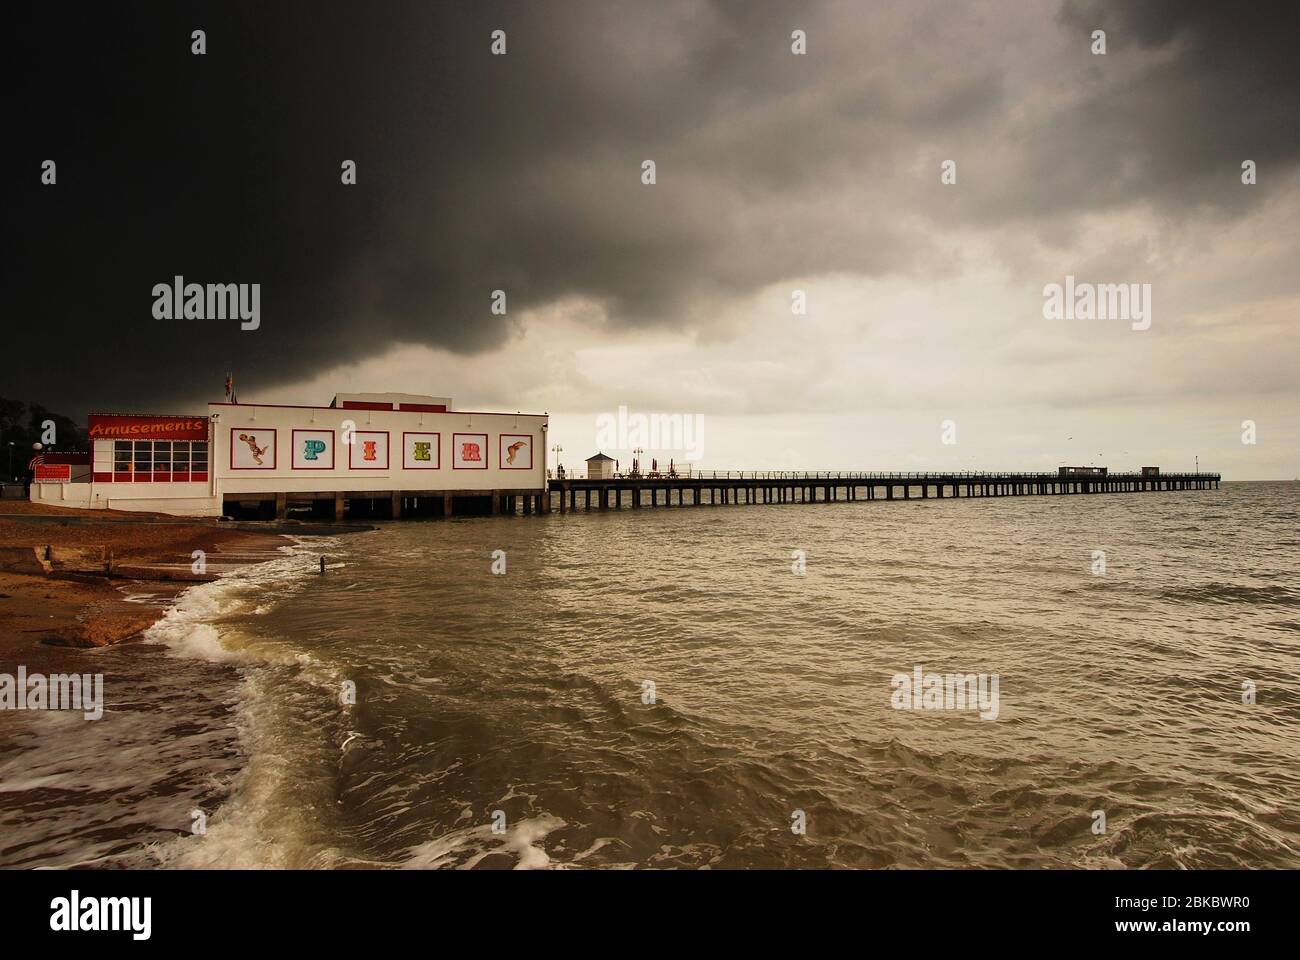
775, 172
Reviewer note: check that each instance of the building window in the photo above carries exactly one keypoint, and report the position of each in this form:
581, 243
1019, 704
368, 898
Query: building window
162, 460
122, 462
143, 461
143, 456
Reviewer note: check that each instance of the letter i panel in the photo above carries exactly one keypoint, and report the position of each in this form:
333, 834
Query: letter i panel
369, 450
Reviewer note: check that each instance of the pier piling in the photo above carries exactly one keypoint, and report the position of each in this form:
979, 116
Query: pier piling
773, 487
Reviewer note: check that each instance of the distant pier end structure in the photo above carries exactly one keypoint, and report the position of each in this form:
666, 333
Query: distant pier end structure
600, 467
752, 487
366, 454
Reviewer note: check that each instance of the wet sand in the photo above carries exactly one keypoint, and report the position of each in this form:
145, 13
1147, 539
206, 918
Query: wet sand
79, 606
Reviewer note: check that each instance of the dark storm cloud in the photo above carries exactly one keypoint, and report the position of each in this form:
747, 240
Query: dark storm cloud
1188, 89
522, 172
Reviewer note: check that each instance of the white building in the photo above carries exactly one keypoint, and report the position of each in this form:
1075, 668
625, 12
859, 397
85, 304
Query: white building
406, 451
600, 467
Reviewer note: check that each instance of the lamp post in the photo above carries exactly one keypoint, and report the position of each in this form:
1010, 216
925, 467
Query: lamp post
559, 467
11, 461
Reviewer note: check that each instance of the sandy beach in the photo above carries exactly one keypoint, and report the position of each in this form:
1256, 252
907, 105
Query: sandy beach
78, 605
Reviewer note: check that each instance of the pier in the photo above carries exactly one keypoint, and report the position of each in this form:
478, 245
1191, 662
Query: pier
717, 488
723, 488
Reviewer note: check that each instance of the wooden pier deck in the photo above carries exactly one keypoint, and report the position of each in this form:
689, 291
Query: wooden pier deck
758, 487
702, 489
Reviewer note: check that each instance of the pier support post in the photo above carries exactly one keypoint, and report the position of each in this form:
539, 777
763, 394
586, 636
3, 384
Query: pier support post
338, 505
446, 506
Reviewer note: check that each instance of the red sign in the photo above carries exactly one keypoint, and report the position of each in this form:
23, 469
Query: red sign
52, 473
112, 426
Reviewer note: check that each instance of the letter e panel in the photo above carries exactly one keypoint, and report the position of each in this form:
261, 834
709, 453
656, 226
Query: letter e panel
420, 451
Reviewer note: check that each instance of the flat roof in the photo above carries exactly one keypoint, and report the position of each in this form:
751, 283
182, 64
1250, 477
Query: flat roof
307, 406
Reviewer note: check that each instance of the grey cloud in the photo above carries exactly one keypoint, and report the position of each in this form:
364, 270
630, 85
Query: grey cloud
521, 172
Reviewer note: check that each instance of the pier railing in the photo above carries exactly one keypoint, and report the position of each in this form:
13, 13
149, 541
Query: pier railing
877, 475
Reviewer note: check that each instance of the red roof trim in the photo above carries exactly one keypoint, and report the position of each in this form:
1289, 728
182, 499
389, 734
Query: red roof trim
303, 406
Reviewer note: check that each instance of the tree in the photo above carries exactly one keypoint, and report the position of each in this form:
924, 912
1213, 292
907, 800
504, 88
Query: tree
22, 424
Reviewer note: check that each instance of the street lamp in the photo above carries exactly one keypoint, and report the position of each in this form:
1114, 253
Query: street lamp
559, 467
